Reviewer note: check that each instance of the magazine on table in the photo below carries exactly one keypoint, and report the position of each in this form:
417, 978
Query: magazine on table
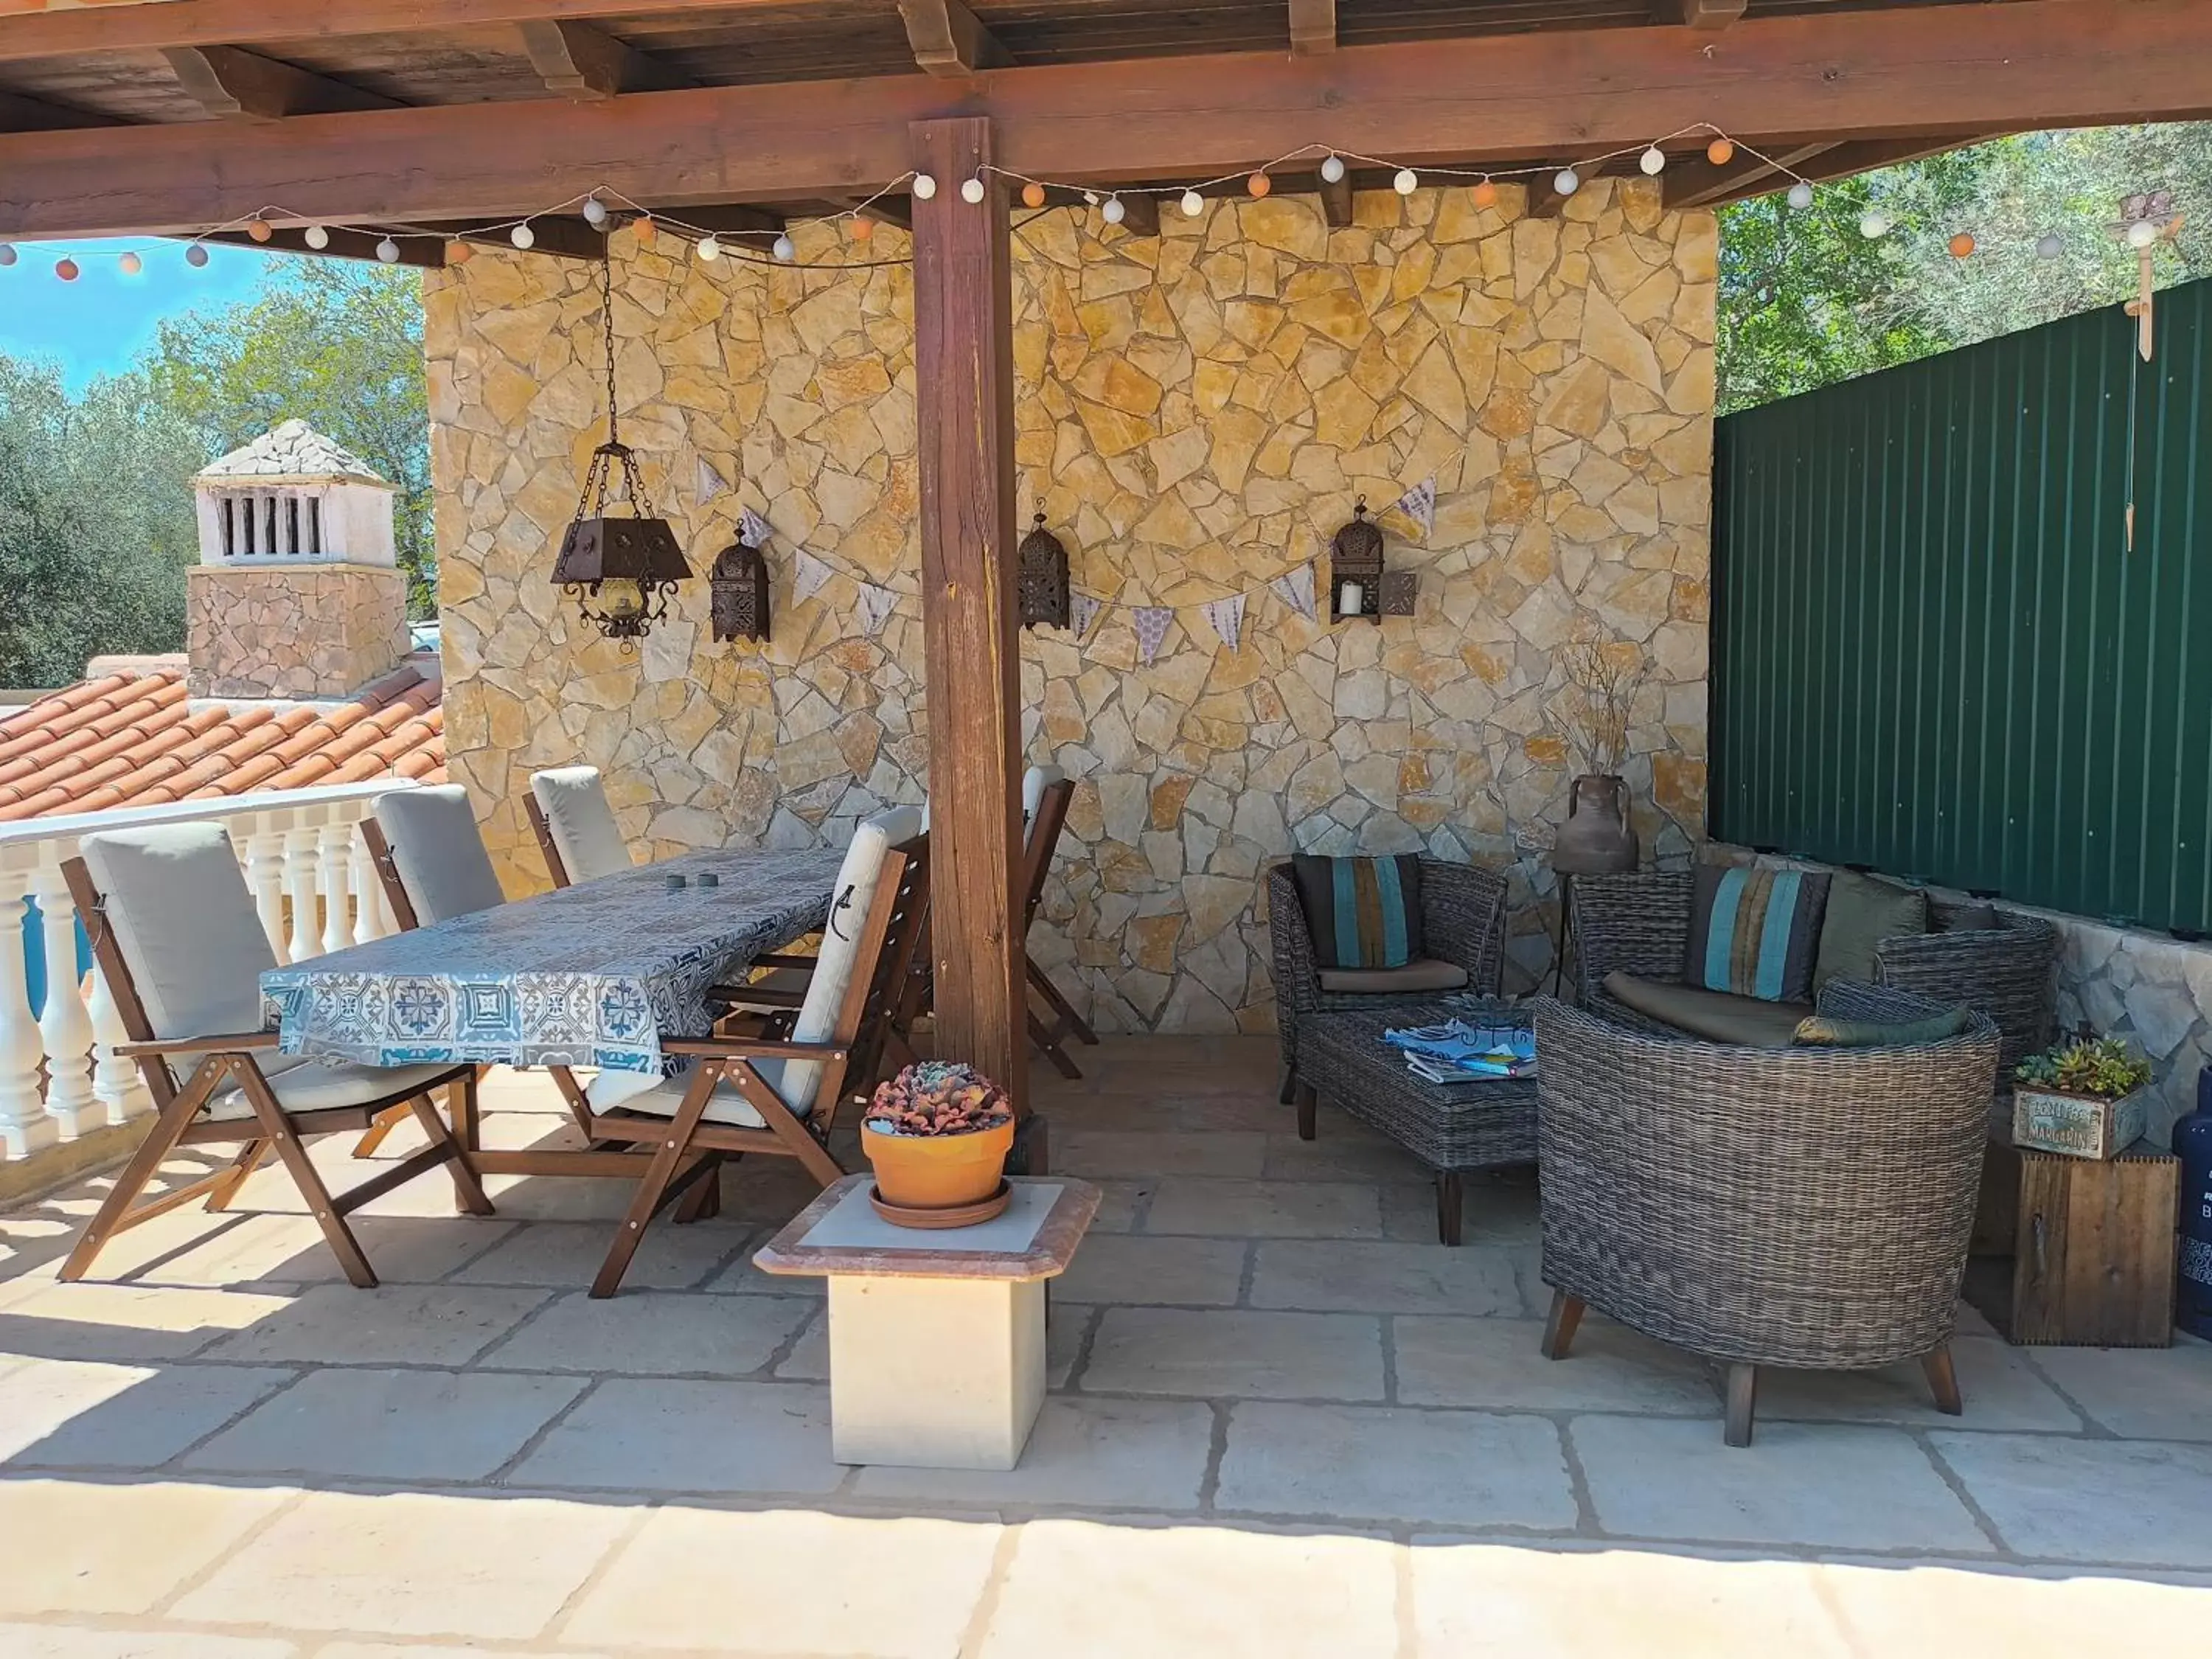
1458, 1051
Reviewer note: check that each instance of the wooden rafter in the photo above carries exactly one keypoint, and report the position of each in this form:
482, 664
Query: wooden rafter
1313, 26
1335, 201
1824, 162
897, 212
583, 62
21, 114
233, 84
1700, 13
1934, 74
948, 39
1700, 184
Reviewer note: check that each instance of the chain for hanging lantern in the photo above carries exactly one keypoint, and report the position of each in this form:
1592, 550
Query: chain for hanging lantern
621, 571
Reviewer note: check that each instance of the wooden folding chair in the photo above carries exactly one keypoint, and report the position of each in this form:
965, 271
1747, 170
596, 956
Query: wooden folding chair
547, 846
1043, 842
228, 1097
752, 1095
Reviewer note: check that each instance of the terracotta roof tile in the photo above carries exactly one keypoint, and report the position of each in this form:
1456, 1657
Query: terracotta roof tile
136, 740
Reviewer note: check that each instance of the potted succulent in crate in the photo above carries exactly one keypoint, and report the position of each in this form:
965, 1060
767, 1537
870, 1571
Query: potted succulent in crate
938, 1134
2084, 1097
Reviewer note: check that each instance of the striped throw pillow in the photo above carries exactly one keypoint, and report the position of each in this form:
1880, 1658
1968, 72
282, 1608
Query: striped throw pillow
1362, 913
1755, 932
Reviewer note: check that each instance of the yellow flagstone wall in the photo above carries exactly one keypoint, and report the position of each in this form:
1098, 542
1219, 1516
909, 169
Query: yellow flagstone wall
1195, 415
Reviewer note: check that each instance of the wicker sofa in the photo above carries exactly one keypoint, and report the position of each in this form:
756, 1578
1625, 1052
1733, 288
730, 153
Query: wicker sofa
1640, 925
1462, 924
1800, 1207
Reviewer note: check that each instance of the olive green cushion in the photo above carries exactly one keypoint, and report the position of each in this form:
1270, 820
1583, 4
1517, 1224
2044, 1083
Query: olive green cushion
1862, 911
1716, 1016
1819, 1032
1978, 917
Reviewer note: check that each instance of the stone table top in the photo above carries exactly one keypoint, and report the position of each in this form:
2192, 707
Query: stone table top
840, 1233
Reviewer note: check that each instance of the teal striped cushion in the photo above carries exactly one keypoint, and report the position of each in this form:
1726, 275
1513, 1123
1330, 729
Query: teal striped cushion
1362, 913
1755, 932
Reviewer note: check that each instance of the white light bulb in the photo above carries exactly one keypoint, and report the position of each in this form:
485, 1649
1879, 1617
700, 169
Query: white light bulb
315, 237
1801, 195
708, 250
2142, 233
1566, 181
1331, 168
1653, 161
1874, 226
1407, 182
783, 249
387, 250
1114, 212
195, 256
971, 190
2050, 245
1193, 204
7, 253
924, 186
595, 211
523, 236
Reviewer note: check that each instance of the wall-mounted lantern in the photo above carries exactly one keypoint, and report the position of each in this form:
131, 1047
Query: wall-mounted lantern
1041, 591
738, 593
1355, 568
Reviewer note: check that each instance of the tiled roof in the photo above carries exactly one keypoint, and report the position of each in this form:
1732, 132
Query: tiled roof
137, 739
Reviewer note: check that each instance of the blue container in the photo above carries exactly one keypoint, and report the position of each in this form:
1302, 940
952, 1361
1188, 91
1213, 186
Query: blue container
2192, 1144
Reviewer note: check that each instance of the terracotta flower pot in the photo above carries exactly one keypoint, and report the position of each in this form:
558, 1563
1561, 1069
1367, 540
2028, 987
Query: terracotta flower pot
938, 1172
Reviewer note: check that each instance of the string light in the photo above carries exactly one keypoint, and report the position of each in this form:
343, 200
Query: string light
1721, 152
2050, 244
1653, 161
522, 236
258, 230
1033, 194
644, 229
1114, 212
1331, 168
1193, 204
1407, 182
388, 252
2142, 232
924, 187
196, 256
316, 237
1485, 194
131, 265
972, 189
595, 211
1874, 226
1566, 181
1961, 246
1801, 195
708, 250
784, 251
1259, 183
458, 253
66, 270
863, 227
7, 253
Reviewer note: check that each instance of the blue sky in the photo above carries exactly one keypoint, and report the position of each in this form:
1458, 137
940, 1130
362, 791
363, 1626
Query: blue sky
98, 323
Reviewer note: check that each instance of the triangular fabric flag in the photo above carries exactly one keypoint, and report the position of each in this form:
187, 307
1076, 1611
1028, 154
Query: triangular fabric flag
1082, 611
1227, 616
807, 576
876, 605
1296, 589
711, 482
754, 528
1419, 504
1151, 621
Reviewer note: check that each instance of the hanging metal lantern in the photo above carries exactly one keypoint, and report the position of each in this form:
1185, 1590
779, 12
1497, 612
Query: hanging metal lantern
1355, 568
1044, 585
739, 588
620, 569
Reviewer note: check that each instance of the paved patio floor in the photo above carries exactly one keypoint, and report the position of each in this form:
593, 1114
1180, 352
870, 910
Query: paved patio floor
1283, 1422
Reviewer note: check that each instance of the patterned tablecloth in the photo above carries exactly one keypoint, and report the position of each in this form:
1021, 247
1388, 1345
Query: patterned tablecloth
586, 976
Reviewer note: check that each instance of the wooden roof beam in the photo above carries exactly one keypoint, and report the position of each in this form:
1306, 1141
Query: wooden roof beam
583, 62
948, 39
1700, 184
1824, 163
1313, 26
233, 84
21, 114
1700, 13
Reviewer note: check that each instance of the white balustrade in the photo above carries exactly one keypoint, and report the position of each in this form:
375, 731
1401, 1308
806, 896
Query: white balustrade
302, 856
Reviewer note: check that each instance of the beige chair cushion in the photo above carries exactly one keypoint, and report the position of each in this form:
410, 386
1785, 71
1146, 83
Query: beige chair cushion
1424, 974
438, 852
634, 1091
1716, 1016
302, 1084
584, 834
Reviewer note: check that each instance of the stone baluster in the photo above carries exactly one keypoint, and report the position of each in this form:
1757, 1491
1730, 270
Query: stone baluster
264, 874
367, 892
299, 892
333, 841
24, 1126
65, 1027
116, 1082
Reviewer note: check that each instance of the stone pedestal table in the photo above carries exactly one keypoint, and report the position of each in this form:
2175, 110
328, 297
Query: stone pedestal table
936, 1338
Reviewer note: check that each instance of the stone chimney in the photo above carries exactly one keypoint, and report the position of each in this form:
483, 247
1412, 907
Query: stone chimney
298, 592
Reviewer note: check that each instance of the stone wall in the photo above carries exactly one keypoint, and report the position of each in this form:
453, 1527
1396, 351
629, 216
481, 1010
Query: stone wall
320, 630
1196, 414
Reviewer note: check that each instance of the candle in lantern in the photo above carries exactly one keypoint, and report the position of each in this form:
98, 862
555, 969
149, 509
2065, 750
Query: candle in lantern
1350, 599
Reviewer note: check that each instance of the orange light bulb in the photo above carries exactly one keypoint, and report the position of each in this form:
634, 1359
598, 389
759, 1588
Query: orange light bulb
1961, 246
1720, 152
1259, 183
259, 231
1033, 194
645, 230
863, 229
66, 270
1485, 194
458, 253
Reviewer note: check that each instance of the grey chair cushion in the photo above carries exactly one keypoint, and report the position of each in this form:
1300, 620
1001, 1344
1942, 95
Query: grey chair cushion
634, 1091
574, 800
186, 925
301, 1084
1422, 973
1716, 1016
438, 852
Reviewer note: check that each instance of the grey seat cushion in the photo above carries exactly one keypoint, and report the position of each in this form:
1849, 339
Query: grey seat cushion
652, 1096
1716, 1016
574, 800
301, 1084
438, 852
1422, 973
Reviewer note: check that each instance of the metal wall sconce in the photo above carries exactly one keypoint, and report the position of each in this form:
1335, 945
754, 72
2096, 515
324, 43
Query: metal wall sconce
1042, 590
738, 593
1359, 586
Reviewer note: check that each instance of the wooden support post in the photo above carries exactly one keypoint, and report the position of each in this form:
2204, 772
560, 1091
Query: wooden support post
964, 365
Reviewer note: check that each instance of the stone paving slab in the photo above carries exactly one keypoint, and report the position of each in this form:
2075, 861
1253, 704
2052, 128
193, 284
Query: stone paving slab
78, 1547
1265, 1209
560, 1255
2152, 1502
84, 1642
2138, 1393
127, 1323
652, 1334
2002, 1389
647, 1435
1139, 1269
1349, 1276
75, 1414
391, 1325
1083, 1454
1499, 1362
1236, 1354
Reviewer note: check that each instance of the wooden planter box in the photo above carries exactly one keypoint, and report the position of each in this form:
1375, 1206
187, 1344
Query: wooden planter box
2089, 1257
2076, 1125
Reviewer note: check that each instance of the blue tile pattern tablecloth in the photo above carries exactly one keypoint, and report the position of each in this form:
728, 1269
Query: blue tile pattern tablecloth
586, 976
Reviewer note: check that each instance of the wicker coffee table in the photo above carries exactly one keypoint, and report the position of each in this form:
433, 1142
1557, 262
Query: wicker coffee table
1451, 1127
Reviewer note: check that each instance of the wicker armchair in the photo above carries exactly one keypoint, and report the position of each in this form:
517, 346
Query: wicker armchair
1761, 1206
1463, 922
1640, 925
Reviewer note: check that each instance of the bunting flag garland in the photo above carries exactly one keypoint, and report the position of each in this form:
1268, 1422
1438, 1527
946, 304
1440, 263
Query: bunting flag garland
711, 482
1082, 611
1296, 589
876, 605
1151, 621
754, 528
807, 572
1227, 616
1419, 504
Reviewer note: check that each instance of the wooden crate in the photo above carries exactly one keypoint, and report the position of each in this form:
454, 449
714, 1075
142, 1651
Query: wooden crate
2092, 1254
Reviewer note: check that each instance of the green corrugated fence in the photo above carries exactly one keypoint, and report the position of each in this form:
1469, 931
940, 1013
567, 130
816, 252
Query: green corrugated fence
1933, 652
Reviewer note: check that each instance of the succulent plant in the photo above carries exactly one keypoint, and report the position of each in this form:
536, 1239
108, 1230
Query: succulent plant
2103, 1066
938, 1097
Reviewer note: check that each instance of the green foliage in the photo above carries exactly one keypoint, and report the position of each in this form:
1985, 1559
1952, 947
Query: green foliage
96, 525
2103, 1066
337, 344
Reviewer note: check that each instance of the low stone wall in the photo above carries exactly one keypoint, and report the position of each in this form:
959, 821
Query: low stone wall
293, 630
